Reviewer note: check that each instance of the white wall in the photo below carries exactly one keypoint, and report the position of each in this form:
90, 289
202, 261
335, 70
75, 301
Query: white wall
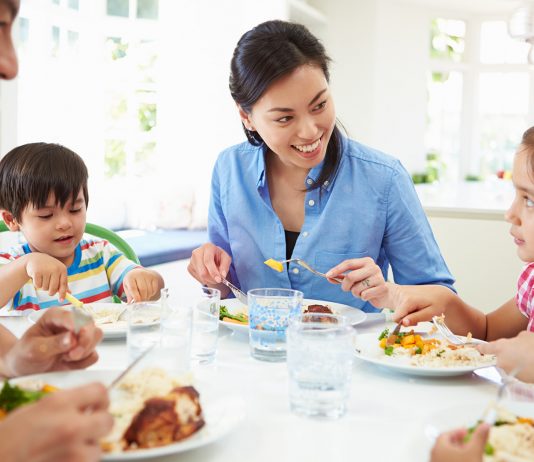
198, 117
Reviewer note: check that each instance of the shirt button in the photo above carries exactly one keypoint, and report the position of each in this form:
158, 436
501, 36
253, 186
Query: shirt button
295, 270
309, 181
326, 183
305, 234
311, 202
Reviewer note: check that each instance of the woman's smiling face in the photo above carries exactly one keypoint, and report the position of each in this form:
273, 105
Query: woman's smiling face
295, 117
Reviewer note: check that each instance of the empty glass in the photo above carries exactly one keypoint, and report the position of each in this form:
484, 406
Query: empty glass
269, 313
319, 360
206, 325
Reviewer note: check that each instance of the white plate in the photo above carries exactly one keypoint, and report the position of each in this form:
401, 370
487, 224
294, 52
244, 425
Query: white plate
371, 352
355, 315
110, 330
221, 412
466, 416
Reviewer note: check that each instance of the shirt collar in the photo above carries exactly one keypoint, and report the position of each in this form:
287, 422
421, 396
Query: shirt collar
313, 174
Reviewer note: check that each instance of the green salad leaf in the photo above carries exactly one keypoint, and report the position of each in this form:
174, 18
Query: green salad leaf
224, 313
12, 396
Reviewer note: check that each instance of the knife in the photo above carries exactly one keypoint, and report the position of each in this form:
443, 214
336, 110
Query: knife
130, 367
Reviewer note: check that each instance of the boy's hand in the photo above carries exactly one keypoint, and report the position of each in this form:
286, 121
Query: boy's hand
141, 284
47, 273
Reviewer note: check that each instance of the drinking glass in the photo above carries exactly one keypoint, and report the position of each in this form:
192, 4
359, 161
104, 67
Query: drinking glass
144, 327
206, 325
269, 313
174, 352
319, 360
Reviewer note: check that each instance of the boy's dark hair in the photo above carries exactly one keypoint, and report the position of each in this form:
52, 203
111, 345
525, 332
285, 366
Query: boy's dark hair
268, 52
31, 172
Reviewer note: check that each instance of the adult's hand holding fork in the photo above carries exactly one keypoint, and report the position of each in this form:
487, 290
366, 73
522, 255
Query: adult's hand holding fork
209, 264
363, 278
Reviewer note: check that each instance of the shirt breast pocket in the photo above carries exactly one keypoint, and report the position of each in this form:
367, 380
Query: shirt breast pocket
324, 290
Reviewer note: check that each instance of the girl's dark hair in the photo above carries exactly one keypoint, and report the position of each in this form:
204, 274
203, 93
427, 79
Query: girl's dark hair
268, 52
527, 142
31, 172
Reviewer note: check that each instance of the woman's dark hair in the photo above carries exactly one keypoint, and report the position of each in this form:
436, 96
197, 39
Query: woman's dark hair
31, 172
527, 143
268, 52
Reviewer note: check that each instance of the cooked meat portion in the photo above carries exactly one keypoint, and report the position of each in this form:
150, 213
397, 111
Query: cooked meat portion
318, 309
164, 420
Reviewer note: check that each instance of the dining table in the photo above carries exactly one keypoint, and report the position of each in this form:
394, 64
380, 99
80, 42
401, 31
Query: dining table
387, 416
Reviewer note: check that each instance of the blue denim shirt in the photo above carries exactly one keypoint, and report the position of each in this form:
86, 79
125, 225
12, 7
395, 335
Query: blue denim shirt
369, 209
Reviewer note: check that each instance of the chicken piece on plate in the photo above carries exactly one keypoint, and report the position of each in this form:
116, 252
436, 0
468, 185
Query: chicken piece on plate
164, 420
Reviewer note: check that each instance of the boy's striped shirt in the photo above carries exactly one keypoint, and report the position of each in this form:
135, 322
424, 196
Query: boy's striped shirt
95, 275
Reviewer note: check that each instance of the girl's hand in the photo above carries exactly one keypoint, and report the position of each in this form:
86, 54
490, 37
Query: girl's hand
451, 446
209, 264
363, 278
141, 284
512, 353
47, 273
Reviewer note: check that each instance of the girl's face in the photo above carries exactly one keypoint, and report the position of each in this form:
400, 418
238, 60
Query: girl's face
521, 212
295, 117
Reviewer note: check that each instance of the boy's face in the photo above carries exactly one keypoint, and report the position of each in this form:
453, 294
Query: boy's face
521, 212
53, 229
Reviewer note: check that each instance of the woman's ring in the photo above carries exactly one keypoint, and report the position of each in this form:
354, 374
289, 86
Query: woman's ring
366, 283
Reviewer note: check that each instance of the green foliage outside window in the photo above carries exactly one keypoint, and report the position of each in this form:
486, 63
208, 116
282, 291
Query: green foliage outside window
147, 116
115, 158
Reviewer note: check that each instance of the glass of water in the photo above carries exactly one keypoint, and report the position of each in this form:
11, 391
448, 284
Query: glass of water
174, 352
144, 327
269, 313
319, 360
206, 325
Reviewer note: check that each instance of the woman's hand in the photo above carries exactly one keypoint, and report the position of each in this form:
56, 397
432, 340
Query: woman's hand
363, 278
64, 426
209, 264
451, 446
51, 345
512, 353
47, 273
141, 284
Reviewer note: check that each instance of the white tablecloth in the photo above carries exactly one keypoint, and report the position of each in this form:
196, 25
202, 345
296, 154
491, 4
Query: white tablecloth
385, 421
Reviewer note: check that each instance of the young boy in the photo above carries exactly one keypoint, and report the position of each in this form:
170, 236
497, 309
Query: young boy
43, 194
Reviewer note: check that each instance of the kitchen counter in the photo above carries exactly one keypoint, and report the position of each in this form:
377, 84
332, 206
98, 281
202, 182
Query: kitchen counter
486, 200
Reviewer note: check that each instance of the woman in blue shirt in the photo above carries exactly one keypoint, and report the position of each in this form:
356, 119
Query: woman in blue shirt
299, 189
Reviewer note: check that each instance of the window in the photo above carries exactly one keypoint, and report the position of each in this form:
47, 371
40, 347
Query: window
478, 96
118, 8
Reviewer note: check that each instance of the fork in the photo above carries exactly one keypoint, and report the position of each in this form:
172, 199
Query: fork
305, 265
239, 294
447, 333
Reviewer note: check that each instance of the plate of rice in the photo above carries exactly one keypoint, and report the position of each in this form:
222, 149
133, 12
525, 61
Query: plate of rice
419, 353
511, 438
136, 401
104, 315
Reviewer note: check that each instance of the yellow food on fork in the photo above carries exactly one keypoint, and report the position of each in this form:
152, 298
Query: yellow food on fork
274, 264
